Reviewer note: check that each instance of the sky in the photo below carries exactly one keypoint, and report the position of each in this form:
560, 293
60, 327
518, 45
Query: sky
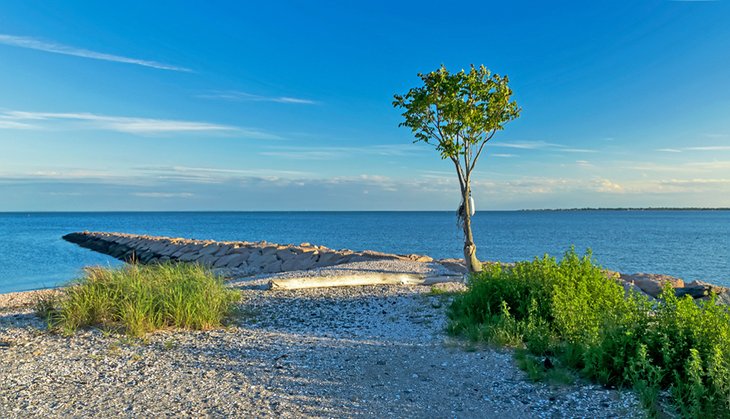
175, 105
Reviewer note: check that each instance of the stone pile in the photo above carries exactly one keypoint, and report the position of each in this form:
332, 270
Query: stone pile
653, 284
238, 259
234, 258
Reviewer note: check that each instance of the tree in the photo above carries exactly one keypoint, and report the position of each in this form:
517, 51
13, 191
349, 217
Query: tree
458, 114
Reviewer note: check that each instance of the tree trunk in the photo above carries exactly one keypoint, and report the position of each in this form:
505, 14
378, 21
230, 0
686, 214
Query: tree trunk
470, 249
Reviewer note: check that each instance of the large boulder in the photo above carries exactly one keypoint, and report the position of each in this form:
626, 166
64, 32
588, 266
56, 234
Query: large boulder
652, 284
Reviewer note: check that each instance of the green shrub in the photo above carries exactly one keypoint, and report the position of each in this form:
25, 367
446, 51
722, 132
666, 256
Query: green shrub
137, 299
574, 312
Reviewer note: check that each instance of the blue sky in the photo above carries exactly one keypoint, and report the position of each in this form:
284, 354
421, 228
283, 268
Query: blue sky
287, 105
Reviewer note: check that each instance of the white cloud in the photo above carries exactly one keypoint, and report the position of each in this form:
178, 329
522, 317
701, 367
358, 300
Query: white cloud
710, 148
163, 194
607, 186
216, 175
526, 145
56, 48
14, 125
249, 97
696, 148
541, 145
578, 150
132, 125
332, 153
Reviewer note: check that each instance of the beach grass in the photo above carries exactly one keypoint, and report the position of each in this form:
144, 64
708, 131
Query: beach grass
569, 316
137, 299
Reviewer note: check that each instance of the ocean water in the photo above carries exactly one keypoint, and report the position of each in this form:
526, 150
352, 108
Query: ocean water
687, 244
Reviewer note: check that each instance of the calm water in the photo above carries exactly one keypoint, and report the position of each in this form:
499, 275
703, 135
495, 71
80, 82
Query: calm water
688, 244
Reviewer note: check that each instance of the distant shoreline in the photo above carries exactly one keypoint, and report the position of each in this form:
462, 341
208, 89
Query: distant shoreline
630, 209
362, 211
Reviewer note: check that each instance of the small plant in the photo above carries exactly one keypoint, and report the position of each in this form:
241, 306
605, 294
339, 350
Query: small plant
571, 311
137, 299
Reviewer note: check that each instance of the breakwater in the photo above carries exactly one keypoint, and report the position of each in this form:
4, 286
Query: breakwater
239, 258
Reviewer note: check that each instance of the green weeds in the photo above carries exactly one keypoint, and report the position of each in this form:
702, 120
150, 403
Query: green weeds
137, 299
571, 312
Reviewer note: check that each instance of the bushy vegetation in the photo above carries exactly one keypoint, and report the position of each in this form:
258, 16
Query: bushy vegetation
136, 299
572, 313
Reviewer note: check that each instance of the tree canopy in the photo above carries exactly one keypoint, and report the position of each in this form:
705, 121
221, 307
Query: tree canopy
458, 113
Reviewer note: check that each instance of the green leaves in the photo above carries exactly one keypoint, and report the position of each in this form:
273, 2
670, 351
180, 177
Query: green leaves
458, 111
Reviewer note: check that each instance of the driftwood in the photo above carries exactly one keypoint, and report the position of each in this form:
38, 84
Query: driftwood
361, 279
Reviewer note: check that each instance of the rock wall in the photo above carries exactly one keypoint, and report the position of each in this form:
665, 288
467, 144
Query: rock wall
235, 258
251, 258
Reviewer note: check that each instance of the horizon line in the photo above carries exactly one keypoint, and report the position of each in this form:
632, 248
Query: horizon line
384, 210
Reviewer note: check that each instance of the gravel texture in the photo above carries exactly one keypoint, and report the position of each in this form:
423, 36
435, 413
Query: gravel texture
373, 351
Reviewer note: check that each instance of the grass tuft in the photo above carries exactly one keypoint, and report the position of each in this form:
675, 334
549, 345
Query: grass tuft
136, 299
571, 312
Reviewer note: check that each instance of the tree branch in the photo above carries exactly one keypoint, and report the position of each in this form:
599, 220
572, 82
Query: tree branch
459, 172
481, 147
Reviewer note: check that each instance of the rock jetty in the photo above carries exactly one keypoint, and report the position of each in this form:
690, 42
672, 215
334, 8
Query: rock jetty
242, 258
233, 258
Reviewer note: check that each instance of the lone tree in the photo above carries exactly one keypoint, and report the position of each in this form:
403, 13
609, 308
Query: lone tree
458, 114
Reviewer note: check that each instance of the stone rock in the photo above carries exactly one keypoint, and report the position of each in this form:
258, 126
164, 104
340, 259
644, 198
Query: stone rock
209, 249
284, 254
300, 262
630, 287
652, 284
223, 250
328, 258
724, 297
273, 267
206, 260
232, 260
373, 255
169, 249
255, 259
694, 291
156, 247
119, 251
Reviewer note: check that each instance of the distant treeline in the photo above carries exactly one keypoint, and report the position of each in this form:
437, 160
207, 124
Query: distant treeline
633, 209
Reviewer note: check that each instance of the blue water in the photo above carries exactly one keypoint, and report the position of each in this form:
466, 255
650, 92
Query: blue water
688, 244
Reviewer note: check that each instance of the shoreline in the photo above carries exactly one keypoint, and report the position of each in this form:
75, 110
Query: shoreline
241, 261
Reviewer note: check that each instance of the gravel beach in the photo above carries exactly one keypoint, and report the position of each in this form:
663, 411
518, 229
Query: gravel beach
369, 351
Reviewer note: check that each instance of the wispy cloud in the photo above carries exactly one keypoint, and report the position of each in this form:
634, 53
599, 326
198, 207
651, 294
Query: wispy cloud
542, 145
695, 148
249, 97
130, 125
331, 153
526, 145
167, 195
577, 150
14, 125
710, 148
211, 175
181, 188
56, 48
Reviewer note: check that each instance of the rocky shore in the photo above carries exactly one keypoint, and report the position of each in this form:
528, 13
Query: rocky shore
243, 259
